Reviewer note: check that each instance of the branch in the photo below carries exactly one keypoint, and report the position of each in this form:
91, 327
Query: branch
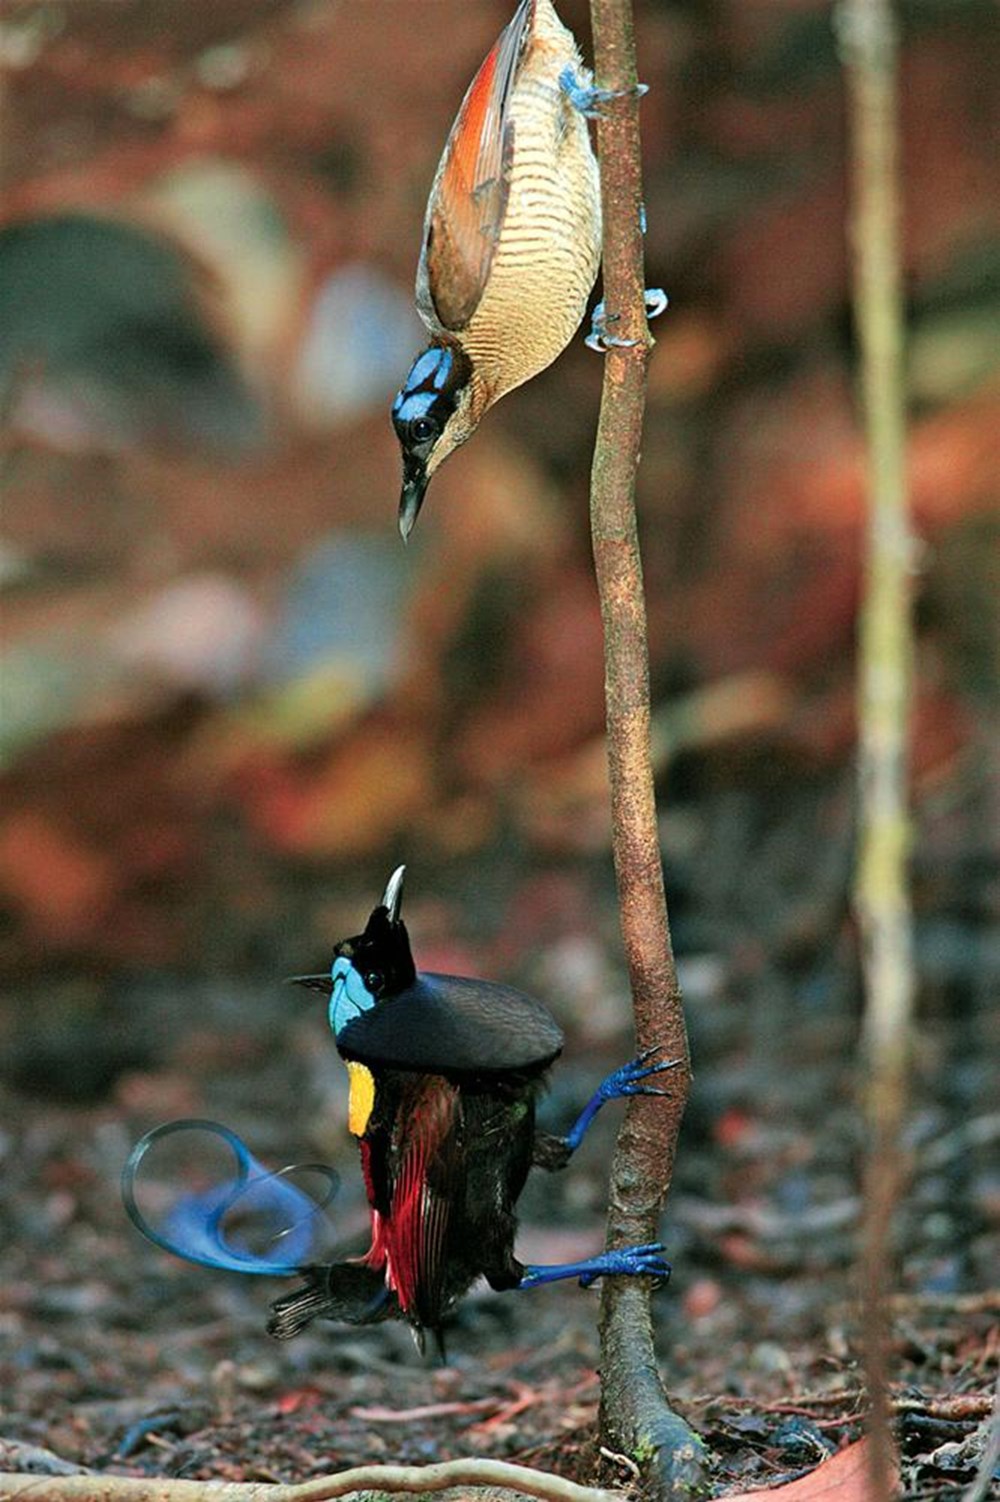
868, 36
635, 1417
383, 1478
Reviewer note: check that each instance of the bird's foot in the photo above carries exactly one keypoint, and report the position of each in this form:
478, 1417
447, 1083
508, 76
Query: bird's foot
599, 339
628, 1080
590, 101
627, 1262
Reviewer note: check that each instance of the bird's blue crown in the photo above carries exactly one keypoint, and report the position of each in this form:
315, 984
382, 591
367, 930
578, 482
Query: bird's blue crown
431, 387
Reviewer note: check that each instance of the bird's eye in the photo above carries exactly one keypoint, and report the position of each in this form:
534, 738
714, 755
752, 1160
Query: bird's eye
374, 981
423, 429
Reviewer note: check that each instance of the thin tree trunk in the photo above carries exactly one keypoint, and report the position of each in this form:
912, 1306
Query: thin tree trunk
635, 1417
868, 35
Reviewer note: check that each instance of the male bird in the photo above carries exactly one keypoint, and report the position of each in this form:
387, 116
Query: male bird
444, 1073
512, 241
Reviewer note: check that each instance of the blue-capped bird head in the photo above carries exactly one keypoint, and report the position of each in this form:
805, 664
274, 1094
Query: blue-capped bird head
384, 1014
432, 414
371, 966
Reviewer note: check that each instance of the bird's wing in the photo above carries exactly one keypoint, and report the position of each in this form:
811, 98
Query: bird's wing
469, 198
428, 1168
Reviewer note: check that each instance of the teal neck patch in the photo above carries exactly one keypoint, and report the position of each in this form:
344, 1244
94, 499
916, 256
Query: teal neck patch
350, 996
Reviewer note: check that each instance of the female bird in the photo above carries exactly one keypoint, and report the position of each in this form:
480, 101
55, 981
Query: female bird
512, 241
444, 1072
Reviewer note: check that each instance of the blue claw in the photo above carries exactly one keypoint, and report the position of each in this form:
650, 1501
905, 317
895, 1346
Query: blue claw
627, 1262
588, 100
656, 300
625, 1081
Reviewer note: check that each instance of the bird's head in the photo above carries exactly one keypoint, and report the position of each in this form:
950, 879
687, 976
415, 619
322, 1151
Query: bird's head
371, 966
385, 1015
432, 415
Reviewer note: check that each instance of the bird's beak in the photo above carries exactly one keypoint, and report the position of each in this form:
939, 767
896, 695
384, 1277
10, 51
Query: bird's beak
393, 897
415, 480
322, 983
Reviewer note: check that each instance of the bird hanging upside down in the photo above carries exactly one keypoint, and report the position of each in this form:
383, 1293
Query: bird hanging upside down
444, 1073
512, 241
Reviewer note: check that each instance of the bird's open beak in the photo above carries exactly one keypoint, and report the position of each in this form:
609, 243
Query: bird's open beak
415, 480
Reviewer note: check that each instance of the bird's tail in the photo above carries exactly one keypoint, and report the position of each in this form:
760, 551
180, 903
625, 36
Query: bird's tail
347, 1291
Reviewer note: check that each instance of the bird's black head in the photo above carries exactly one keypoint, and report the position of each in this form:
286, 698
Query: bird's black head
430, 418
381, 955
371, 966
384, 1014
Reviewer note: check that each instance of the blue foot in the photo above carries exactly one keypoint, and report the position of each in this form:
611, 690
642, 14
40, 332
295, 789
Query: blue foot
590, 101
628, 1080
656, 301
628, 1262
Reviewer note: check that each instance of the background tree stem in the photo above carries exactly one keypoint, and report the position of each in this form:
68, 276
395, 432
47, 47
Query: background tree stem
868, 35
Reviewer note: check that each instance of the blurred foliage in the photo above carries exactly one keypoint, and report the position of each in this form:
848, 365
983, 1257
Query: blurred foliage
230, 699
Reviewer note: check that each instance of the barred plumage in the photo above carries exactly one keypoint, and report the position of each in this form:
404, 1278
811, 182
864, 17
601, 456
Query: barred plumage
511, 243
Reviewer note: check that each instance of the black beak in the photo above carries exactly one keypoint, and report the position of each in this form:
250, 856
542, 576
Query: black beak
415, 480
322, 983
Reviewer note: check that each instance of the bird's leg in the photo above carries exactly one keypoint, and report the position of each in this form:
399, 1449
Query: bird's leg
627, 1261
555, 1152
590, 101
628, 1080
656, 300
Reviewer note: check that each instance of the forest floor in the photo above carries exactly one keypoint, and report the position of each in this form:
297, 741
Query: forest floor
117, 1357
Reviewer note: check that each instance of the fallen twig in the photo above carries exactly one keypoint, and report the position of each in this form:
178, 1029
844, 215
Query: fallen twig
385, 1478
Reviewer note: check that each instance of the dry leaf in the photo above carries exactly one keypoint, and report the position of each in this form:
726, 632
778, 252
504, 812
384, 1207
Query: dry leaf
842, 1478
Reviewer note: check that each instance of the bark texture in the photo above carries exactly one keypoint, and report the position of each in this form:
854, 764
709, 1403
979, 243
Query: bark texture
636, 1418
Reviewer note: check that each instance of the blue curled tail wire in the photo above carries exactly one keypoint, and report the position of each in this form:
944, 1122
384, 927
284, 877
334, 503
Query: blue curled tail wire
195, 1228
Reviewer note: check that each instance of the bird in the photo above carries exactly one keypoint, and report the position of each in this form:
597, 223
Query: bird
511, 241
444, 1072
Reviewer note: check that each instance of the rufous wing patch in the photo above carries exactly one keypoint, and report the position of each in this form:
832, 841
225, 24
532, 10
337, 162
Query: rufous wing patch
469, 198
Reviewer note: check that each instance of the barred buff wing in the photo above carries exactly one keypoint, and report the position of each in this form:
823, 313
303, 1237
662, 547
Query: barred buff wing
469, 198
548, 253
